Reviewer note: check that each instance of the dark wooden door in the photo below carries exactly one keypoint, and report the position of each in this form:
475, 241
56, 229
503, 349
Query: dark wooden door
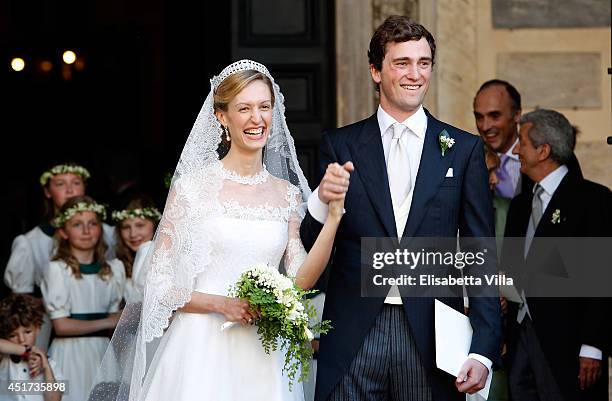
295, 40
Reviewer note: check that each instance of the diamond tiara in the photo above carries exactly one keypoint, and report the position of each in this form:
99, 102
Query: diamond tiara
241, 65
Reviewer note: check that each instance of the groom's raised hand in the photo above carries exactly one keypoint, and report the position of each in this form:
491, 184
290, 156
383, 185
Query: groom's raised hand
472, 377
335, 182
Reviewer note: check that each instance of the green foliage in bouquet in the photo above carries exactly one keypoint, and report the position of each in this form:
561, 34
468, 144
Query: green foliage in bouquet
285, 316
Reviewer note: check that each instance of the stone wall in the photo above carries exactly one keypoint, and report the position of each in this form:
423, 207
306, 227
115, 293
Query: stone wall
553, 67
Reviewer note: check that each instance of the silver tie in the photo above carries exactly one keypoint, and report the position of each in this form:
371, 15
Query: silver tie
398, 166
536, 206
536, 216
398, 171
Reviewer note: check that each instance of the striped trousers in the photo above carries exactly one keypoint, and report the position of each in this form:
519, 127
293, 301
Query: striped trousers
387, 367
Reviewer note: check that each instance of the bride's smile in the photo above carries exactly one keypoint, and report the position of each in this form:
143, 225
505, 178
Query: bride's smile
248, 117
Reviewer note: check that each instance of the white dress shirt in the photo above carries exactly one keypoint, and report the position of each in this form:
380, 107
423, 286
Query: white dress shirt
417, 123
550, 183
20, 371
415, 138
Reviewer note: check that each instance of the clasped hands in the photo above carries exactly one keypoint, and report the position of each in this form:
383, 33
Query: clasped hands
334, 186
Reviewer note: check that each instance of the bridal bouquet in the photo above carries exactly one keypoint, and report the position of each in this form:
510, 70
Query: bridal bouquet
285, 314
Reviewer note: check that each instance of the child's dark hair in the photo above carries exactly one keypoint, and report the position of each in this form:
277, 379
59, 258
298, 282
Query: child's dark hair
18, 310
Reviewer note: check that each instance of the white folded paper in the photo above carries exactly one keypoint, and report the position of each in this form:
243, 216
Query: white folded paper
453, 339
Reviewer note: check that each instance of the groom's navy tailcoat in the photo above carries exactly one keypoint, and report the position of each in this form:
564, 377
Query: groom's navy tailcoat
441, 206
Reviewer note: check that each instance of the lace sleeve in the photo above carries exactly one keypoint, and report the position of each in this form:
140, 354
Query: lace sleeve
295, 254
164, 291
181, 249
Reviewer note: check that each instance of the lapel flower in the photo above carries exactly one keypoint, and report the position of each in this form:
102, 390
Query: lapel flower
446, 142
556, 216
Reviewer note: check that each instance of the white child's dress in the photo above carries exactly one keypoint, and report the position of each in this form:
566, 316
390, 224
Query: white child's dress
18, 371
87, 298
30, 256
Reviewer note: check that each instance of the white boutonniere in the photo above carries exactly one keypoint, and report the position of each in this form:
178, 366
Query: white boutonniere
556, 216
446, 142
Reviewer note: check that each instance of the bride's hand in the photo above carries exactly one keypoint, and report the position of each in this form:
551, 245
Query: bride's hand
336, 209
336, 206
238, 310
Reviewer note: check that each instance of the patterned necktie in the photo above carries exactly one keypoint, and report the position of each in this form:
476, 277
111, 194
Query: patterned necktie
398, 166
505, 187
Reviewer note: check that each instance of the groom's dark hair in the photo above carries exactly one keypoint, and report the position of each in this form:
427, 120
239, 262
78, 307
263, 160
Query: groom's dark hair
397, 28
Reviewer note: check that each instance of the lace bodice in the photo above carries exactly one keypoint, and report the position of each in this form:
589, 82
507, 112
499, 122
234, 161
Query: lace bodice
237, 245
224, 223
254, 228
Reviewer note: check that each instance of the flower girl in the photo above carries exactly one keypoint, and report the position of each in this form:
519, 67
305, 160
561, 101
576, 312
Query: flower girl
82, 291
135, 228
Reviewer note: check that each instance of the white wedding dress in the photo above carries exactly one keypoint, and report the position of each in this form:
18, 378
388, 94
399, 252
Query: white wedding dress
257, 222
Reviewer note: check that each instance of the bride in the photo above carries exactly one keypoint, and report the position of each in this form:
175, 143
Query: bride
237, 200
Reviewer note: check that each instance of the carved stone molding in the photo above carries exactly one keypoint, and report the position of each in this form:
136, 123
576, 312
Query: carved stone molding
381, 9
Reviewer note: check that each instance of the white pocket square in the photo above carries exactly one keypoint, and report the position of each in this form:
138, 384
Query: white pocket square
449, 172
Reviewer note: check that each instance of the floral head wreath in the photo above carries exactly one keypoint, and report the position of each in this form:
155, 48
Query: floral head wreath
150, 213
63, 169
69, 213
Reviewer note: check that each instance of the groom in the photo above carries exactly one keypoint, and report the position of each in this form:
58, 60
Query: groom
384, 349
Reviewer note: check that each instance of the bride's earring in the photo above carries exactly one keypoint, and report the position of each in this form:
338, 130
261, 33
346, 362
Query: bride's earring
227, 136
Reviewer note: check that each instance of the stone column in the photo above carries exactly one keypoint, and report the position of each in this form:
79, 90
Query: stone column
355, 24
427, 16
354, 86
457, 62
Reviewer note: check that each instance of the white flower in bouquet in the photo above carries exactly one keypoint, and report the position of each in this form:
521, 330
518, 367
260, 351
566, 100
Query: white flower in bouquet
308, 334
285, 316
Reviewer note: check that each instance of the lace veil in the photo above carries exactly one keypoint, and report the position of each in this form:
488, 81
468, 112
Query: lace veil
180, 251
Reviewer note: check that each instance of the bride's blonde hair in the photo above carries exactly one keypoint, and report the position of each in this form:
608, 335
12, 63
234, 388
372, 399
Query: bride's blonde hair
234, 84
